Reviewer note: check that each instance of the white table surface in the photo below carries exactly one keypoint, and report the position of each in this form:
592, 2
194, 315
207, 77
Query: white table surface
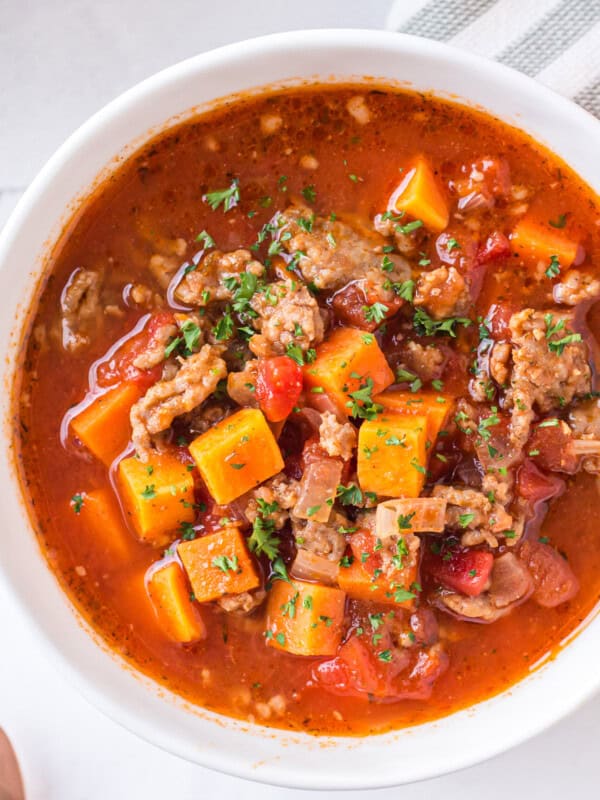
59, 62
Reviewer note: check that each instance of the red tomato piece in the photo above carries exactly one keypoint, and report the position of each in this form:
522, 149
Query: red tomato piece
535, 486
554, 580
119, 365
498, 319
365, 548
496, 246
351, 305
381, 672
466, 571
278, 386
353, 671
552, 448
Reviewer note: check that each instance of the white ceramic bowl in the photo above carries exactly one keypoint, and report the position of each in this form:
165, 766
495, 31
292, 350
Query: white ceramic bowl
240, 749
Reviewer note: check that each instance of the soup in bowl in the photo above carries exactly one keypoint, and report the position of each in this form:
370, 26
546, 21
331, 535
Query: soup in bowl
306, 415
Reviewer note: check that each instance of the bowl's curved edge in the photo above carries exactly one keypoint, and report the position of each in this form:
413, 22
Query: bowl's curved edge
273, 772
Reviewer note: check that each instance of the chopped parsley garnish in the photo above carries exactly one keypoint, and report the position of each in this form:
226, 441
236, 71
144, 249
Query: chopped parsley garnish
464, 520
405, 290
404, 521
452, 244
375, 313
410, 227
295, 353
77, 502
426, 326
187, 531
226, 564
224, 327
385, 655
560, 222
263, 539
309, 193
206, 239
289, 608
488, 422
149, 492
349, 495
361, 404
229, 198
558, 345
553, 269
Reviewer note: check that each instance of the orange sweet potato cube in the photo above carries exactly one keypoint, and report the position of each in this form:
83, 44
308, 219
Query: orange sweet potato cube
157, 496
219, 564
305, 618
104, 426
436, 407
535, 242
420, 197
173, 604
105, 529
392, 455
392, 589
346, 362
237, 454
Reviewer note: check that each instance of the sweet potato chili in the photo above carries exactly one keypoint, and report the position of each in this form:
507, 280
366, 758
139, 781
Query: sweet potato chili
308, 418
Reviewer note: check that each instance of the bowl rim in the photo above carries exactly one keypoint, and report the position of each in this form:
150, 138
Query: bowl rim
229, 762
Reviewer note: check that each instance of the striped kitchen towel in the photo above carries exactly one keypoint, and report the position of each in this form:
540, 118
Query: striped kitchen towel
555, 41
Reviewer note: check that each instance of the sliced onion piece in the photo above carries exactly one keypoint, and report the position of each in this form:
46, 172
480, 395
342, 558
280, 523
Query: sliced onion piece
410, 515
309, 567
586, 447
318, 488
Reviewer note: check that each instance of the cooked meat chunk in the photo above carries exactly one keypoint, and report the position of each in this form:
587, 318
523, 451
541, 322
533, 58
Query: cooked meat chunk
499, 362
335, 253
576, 287
541, 376
426, 361
584, 420
81, 311
406, 243
511, 583
203, 417
163, 268
196, 379
155, 352
554, 580
389, 552
243, 603
281, 490
241, 385
321, 538
336, 438
141, 295
443, 293
424, 626
474, 514
287, 314
205, 283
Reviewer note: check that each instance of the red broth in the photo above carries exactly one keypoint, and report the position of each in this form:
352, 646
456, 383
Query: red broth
320, 154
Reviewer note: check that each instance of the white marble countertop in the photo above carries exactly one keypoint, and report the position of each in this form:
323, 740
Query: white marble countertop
59, 62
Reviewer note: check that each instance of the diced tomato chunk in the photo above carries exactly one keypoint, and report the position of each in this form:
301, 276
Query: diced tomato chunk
465, 571
554, 580
351, 305
365, 548
535, 486
278, 386
119, 365
498, 319
552, 448
496, 246
382, 671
